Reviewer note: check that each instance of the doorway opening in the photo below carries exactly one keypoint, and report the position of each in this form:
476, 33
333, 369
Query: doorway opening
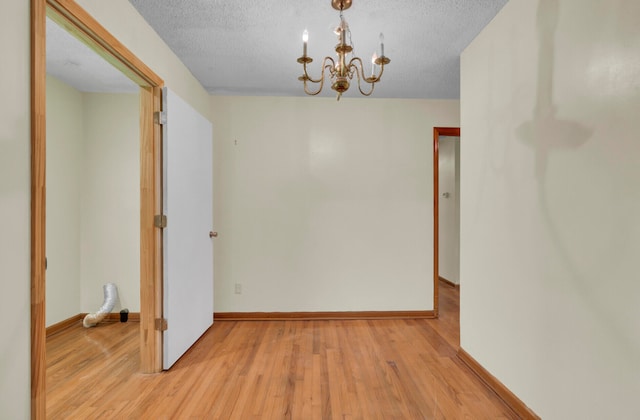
84, 27
93, 230
437, 133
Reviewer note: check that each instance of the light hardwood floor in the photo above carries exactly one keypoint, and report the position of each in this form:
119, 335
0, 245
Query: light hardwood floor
386, 369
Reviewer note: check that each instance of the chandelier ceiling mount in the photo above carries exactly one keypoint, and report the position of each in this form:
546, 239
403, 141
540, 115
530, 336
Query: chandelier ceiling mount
341, 4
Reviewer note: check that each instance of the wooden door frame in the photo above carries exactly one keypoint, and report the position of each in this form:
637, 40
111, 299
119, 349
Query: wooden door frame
437, 132
83, 26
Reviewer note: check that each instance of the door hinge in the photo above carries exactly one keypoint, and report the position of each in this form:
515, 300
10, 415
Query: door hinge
160, 221
160, 117
161, 324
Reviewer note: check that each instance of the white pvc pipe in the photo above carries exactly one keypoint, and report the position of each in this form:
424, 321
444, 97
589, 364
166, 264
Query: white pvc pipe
110, 298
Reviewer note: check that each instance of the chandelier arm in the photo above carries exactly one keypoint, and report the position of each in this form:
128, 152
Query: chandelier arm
310, 93
366, 93
329, 64
307, 77
380, 75
359, 70
320, 80
322, 68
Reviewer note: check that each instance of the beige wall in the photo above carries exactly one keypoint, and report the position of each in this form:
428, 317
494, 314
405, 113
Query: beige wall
550, 204
324, 205
110, 204
65, 140
14, 211
93, 200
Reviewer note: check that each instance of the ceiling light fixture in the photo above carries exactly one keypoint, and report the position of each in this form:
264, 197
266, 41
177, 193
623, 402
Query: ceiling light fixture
342, 72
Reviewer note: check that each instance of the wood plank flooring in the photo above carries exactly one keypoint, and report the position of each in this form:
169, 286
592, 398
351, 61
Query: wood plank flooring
382, 369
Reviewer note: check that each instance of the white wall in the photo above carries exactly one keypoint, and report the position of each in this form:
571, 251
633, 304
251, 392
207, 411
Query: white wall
324, 205
550, 204
449, 208
15, 211
65, 138
128, 26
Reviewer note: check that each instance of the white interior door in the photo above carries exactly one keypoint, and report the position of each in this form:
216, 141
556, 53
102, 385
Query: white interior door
449, 208
187, 247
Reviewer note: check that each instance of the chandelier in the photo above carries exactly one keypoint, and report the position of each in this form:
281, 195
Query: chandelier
341, 71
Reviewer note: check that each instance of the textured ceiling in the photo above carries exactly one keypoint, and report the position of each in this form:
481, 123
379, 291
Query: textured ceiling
250, 47
77, 65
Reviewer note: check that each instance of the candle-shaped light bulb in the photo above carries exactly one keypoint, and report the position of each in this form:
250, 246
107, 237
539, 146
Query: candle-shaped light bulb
381, 44
344, 27
373, 64
305, 39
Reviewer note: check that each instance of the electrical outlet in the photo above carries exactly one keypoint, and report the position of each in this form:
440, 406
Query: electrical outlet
238, 289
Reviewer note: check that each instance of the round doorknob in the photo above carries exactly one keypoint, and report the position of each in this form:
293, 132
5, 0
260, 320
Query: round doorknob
213, 234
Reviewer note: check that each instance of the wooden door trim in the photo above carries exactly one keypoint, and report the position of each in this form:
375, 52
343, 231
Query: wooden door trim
437, 132
76, 20
38, 206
